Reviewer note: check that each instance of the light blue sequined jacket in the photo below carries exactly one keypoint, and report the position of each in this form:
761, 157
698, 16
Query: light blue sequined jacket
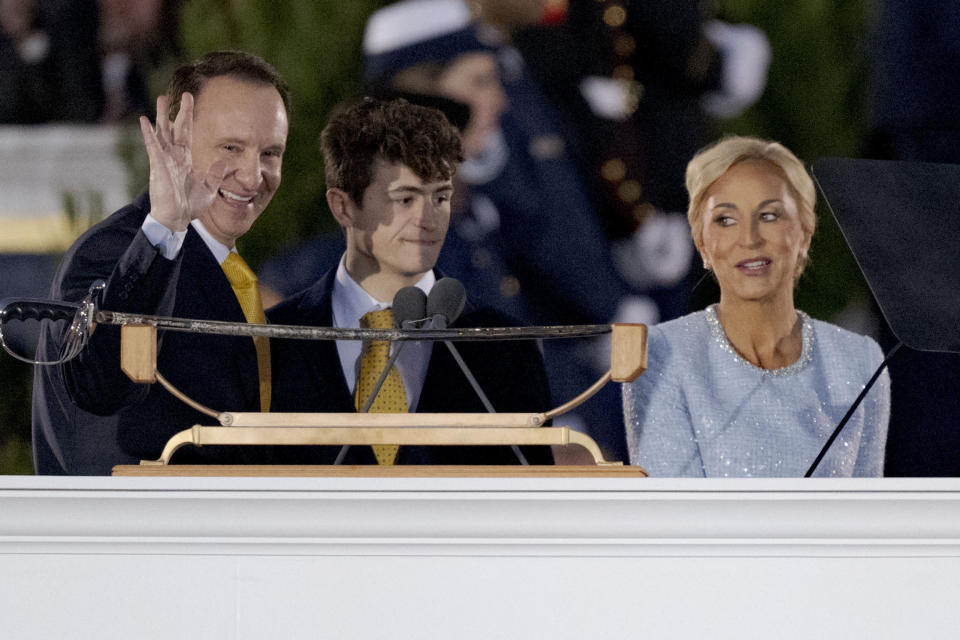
702, 410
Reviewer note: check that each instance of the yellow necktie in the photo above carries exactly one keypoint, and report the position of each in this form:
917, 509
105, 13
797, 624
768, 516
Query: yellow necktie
392, 398
244, 285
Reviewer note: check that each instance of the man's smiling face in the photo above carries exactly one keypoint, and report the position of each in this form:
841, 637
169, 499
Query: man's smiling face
243, 125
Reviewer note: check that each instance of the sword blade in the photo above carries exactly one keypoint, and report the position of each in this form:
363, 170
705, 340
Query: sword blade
301, 332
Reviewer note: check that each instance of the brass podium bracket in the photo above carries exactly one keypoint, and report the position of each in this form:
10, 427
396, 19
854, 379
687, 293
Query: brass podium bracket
184, 398
588, 393
439, 436
628, 352
628, 359
138, 352
139, 357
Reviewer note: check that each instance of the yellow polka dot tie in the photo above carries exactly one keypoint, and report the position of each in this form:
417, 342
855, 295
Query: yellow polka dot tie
244, 284
392, 398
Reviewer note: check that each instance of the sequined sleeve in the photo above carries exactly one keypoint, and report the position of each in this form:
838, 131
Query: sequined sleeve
876, 416
660, 433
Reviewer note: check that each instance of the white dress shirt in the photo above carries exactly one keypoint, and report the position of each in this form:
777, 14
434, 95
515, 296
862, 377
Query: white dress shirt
350, 302
170, 242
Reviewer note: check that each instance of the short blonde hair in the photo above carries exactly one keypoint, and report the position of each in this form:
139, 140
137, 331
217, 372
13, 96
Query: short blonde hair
714, 160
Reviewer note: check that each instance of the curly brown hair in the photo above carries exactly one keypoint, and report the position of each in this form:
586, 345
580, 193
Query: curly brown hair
394, 130
237, 64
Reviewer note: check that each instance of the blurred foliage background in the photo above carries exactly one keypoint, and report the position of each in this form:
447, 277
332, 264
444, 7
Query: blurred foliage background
315, 45
814, 103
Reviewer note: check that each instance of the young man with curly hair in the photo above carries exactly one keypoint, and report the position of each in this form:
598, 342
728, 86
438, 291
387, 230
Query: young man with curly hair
389, 167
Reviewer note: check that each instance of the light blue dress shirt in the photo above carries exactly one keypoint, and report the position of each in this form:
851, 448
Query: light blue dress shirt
350, 302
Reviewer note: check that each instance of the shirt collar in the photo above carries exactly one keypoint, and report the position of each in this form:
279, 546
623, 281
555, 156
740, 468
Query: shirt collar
351, 301
219, 250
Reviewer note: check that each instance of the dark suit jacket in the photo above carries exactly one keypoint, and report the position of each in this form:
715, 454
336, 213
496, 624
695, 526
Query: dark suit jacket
87, 415
308, 377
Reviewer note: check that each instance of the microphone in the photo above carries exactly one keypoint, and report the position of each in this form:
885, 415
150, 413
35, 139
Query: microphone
444, 305
412, 309
409, 307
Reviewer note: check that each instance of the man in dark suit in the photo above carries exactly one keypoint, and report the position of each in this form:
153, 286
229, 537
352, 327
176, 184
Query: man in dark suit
389, 168
215, 160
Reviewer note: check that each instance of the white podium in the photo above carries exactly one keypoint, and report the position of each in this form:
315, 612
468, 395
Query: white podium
162, 557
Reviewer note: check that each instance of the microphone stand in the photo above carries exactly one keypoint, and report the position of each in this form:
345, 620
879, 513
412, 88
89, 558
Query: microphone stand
483, 396
442, 322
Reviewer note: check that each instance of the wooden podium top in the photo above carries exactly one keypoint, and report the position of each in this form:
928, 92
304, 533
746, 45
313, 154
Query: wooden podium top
375, 471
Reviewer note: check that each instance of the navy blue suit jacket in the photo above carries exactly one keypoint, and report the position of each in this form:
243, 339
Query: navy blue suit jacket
87, 415
308, 377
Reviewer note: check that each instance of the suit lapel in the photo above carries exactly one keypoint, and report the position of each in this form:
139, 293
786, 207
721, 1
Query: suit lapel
209, 283
323, 360
210, 296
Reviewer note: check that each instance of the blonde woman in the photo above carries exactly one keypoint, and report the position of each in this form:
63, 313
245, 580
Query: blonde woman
751, 386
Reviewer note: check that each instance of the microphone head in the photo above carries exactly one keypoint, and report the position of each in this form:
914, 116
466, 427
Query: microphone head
410, 303
446, 299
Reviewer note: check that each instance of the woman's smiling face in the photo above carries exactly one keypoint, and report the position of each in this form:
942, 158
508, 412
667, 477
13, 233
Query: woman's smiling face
751, 234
